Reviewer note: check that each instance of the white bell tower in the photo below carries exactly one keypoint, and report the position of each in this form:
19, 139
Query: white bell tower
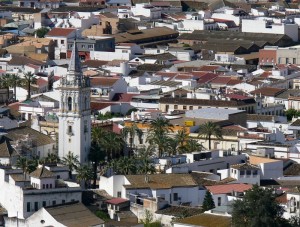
74, 111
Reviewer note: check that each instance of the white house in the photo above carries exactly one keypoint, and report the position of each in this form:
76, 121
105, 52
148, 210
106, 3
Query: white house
173, 188
270, 26
65, 215
22, 195
146, 10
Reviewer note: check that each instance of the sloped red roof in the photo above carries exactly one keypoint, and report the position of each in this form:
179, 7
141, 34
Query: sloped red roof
100, 105
116, 201
221, 80
123, 97
209, 68
103, 81
207, 78
228, 188
237, 97
60, 31
41, 82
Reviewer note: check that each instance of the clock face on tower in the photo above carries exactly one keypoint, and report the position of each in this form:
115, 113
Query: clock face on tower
74, 114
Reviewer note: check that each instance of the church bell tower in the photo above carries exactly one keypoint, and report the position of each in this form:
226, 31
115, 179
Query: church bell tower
74, 111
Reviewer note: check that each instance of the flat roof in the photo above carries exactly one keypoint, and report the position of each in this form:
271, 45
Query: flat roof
212, 113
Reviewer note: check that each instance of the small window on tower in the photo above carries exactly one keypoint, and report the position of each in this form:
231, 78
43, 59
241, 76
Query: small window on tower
70, 130
69, 103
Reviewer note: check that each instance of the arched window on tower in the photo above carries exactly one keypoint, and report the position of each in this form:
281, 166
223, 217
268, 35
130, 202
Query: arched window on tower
69, 104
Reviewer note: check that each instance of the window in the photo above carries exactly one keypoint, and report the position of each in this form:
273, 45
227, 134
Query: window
294, 60
184, 107
119, 194
175, 107
191, 107
50, 185
36, 206
43, 186
47, 186
62, 41
44, 203
219, 201
70, 129
248, 172
63, 201
255, 172
28, 206
83, 46
175, 196
124, 51
242, 172
90, 46
69, 103
53, 202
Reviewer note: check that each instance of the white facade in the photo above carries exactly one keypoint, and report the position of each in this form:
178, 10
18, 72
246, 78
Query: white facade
74, 114
146, 10
270, 27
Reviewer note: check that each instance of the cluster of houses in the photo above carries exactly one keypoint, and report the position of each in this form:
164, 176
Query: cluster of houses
233, 63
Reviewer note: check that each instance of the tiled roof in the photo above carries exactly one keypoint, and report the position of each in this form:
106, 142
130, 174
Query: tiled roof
18, 177
6, 150
207, 220
42, 172
259, 117
292, 170
282, 199
268, 91
101, 105
75, 215
209, 68
228, 188
296, 123
254, 160
123, 97
60, 31
156, 181
116, 201
22, 60
39, 139
244, 166
94, 63
103, 81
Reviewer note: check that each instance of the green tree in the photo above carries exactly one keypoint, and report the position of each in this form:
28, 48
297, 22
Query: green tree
192, 146
71, 161
114, 144
126, 166
41, 32
27, 81
85, 174
182, 136
15, 81
257, 209
158, 134
209, 129
290, 113
208, 202
130, 132
22, 163
52, 158
5, 82
95, 156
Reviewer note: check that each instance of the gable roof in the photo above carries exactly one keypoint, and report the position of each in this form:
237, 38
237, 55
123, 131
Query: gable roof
228, 188
39, 139
160, 181
6, 150
23, 60
60, 31
268, 91
75, 215
42, 172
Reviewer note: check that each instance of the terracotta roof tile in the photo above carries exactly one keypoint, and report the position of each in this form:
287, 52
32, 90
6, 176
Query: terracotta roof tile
228, 188
116, 201
257, 160
103, 81
42, 172
268, 91
60, 31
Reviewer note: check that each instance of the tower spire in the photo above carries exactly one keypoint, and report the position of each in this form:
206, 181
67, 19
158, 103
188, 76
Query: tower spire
75, 64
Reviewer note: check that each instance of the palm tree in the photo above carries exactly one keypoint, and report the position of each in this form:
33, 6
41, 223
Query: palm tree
15, 81
28, 80
126, 166
131, 132
71, 161
114, 143
192, 146
22, 163
145, 166
52, 158
95, 156
158, 134
84, 173
5, 82
209, 129
172, 145
182, 136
